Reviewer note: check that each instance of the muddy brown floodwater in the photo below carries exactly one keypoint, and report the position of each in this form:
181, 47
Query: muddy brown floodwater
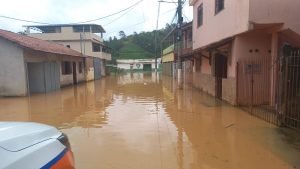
141, 121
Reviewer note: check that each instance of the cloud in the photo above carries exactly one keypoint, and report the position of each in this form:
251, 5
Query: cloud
141, 18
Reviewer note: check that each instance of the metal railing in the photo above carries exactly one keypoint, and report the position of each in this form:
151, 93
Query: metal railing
290, 102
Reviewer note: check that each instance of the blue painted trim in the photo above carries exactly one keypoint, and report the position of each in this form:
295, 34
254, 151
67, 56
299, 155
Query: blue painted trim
54, 160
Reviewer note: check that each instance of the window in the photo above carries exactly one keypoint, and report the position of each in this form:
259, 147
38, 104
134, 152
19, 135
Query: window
96, 47
200, 15
81, 28
80, 67
51, 29
66, 68
219, 6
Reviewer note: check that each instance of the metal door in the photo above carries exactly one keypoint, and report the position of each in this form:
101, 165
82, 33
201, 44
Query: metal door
36, 77
97, 68
52, 76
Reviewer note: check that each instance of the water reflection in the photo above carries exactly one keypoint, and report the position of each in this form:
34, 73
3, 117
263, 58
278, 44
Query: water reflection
83, 105
141, 120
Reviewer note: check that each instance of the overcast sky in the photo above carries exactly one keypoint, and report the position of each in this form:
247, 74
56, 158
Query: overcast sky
141, 18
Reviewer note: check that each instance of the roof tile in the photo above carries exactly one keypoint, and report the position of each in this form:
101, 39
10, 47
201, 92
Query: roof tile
38, 44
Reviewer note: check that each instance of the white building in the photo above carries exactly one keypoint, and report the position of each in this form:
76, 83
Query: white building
83, 38
138, 64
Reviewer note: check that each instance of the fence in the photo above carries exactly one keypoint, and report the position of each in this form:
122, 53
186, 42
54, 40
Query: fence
271, 90
256, 88
290, 90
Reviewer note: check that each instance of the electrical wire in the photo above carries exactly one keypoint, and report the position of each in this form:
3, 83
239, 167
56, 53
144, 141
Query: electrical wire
119, 16
112, 13
45, 23
23, 20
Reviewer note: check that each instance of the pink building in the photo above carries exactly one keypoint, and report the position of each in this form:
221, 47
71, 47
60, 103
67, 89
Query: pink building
237, 45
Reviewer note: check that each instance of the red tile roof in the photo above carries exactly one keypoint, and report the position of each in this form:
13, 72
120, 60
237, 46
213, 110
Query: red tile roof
37, 44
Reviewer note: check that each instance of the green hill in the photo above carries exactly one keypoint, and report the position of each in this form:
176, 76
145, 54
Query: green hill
130, 50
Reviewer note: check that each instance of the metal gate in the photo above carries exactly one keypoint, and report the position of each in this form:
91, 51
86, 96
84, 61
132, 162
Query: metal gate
290, 102
271, 90
256, 88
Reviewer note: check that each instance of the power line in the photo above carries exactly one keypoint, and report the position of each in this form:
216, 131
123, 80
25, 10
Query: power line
112, 13
45, 23
119, 16
23, 20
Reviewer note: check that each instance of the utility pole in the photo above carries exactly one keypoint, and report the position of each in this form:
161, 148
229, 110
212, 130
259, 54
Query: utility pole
155, 39
179, 45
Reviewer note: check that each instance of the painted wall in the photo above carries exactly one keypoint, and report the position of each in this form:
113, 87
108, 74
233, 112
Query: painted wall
137, 64
276, 11
68, 37
259, 43
233, 19
35, 56
89, 69
12, 70
66, 34
168, 57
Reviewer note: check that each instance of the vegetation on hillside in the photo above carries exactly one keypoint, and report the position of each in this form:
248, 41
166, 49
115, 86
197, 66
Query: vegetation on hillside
138, 45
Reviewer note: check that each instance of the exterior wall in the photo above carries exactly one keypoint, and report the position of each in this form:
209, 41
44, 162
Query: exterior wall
229, 90
12, 70
204, 82
68, 35
35, 56
168, 57
167, 68
256, 40
86, 48
138, 64
125, 66
89, 69
103, 67
188, 71
276, 11
233, 19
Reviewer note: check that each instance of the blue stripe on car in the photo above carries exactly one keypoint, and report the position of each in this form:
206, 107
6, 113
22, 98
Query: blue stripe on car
54, 160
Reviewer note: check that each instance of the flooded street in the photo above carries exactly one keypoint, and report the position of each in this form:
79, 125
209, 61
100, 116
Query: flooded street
141, 121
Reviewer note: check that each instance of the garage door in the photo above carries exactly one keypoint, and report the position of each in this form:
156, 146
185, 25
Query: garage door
43, 77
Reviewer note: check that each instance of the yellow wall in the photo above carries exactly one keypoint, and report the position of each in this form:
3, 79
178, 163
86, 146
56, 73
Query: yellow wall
168, 57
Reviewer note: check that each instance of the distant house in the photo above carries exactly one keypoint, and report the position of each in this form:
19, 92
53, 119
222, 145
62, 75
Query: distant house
137, 64
168, 63
82, 38
29, 65
170, 54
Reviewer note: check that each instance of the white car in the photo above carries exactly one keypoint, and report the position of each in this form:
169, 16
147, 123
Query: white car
32, 145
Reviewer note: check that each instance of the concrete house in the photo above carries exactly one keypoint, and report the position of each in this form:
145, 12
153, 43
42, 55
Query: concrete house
29, 65
170, 54
137, 64
238, 42
83, 38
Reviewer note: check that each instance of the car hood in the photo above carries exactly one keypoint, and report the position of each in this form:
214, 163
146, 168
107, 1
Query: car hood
15, 136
